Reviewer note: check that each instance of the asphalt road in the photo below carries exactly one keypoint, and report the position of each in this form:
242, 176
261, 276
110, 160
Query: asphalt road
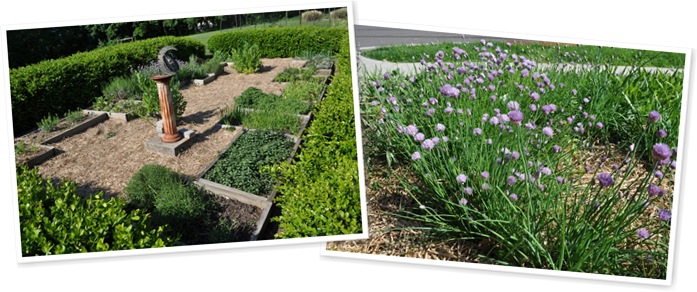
372, 36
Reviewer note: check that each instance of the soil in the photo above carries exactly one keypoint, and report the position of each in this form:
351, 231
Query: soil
31, 150
244, 216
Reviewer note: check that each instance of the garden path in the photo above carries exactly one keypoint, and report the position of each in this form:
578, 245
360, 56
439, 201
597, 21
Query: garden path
104, 157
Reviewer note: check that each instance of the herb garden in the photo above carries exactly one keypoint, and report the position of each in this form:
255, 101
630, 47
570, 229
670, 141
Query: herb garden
86, 183
534, 155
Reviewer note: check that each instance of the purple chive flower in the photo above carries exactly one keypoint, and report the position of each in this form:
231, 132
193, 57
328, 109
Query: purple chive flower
477, 131
535, 96
655, 190
461, 178
430, 112
412, 130
513, 197
605, 179
658, 174
545, 171
375, 103
428, 144
516, 116
664, 214
433, 100
463, 201
661, 151
654, 116
515, 155
386, 76
419, 137
599, 125
533, 107
485, 174
448, 110
556, 148
560, 179
467, 191
673, 164
546, 109
588, 169
436, 140
489, 141
494, 121
525, 73
572, 91
660, 134
513, 105
449, 90
642, 233
511, 180
440, 127
548, 131
416, 155
586, 100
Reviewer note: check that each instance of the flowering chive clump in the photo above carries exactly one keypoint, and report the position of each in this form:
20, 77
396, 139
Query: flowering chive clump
488, 129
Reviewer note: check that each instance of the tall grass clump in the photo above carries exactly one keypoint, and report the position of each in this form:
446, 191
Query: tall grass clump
523, 158
247, 58
312, 15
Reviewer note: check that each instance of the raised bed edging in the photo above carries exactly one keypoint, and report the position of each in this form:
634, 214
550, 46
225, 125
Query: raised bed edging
112, 115
84, 125
48, 153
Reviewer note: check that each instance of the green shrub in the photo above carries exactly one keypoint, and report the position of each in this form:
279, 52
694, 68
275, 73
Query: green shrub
56, 86
312, 15
254, 98
246, 59
341, 13
121, 87
74, 117
309, 91
188, 210
281, 42
319, 191
239, 166
145, 184
54, 219
48, 123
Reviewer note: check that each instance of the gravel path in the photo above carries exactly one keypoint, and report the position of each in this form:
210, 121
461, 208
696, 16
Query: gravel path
104, 157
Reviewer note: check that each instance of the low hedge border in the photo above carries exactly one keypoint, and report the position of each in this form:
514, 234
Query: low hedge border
320, 188
60, 85
281, 42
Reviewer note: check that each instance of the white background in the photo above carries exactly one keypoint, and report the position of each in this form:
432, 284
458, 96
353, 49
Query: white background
666, 23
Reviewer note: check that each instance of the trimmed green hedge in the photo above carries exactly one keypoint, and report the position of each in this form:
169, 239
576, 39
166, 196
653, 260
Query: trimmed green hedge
320, 189
54, 219
281, 42
58, 86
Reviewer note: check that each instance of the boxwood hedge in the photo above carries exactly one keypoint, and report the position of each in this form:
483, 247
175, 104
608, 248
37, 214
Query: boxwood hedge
57, 86
320, 189
281, 42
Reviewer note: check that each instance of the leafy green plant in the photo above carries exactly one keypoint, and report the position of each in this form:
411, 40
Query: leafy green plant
74, 117
121, 88
151, 99
239, 166
254, 98
307, 91
54, 219
48, 123
246, 59
20, 148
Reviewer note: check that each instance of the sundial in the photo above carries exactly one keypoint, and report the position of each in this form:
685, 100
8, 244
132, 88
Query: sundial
167, 63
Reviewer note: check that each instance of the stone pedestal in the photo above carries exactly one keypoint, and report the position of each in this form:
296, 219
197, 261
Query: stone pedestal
169, 124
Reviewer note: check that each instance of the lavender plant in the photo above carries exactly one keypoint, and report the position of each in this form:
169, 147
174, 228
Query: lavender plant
502, 151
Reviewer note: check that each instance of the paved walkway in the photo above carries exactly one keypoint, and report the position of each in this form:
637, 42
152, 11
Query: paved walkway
369, 66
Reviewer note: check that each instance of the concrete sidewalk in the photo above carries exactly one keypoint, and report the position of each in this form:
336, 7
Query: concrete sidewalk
367, 66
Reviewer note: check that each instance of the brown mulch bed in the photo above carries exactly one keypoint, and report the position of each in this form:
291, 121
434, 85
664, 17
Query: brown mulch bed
389, 235
104, 157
